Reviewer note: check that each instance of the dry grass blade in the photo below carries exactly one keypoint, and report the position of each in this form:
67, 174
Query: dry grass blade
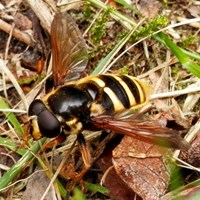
175, 93
43, 13
192, 99
5, 69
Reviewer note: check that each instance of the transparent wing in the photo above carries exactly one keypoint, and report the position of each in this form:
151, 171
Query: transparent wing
148, 131
69, 53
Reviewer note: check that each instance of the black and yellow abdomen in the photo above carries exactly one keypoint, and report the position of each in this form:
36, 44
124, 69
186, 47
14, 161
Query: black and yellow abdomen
99, 94
116, 92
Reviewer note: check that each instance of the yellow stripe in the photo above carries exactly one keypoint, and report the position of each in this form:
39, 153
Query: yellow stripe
116, 102
98, 81
126, 88
95, 79
141, 89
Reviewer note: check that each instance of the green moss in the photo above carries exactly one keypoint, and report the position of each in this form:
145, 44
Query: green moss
189, 41
99, 28
124, 70
150, 27
87, 11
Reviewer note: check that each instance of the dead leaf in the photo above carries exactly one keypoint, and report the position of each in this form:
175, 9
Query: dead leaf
192, 156
170, 114
22, 22
149, 8
36, 187
194, 10
141, 167
118, 190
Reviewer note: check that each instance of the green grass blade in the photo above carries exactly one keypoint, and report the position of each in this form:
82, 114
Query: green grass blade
61, 188
11, 117
96, 188
185, 60
12, 146
16, 169
195, 197
77, 195
191, 54
179, 193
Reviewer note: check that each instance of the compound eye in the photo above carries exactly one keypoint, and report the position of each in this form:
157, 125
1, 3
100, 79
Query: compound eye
48, 124
36, 107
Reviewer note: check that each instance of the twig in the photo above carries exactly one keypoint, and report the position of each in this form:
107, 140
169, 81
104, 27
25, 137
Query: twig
24, 37
174, 93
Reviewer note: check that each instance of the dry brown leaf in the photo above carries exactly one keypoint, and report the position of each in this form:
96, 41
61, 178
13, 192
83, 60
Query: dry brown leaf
178, 115
36, 187
149, 8
194, 10
170, 113
118, 190
140, 165
22, 22
192, 156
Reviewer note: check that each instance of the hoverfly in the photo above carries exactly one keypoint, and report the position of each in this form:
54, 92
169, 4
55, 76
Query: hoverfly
93, 102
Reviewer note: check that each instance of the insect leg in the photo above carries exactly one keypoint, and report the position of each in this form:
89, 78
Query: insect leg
57, 140
84, 151
86, 160
26, 136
